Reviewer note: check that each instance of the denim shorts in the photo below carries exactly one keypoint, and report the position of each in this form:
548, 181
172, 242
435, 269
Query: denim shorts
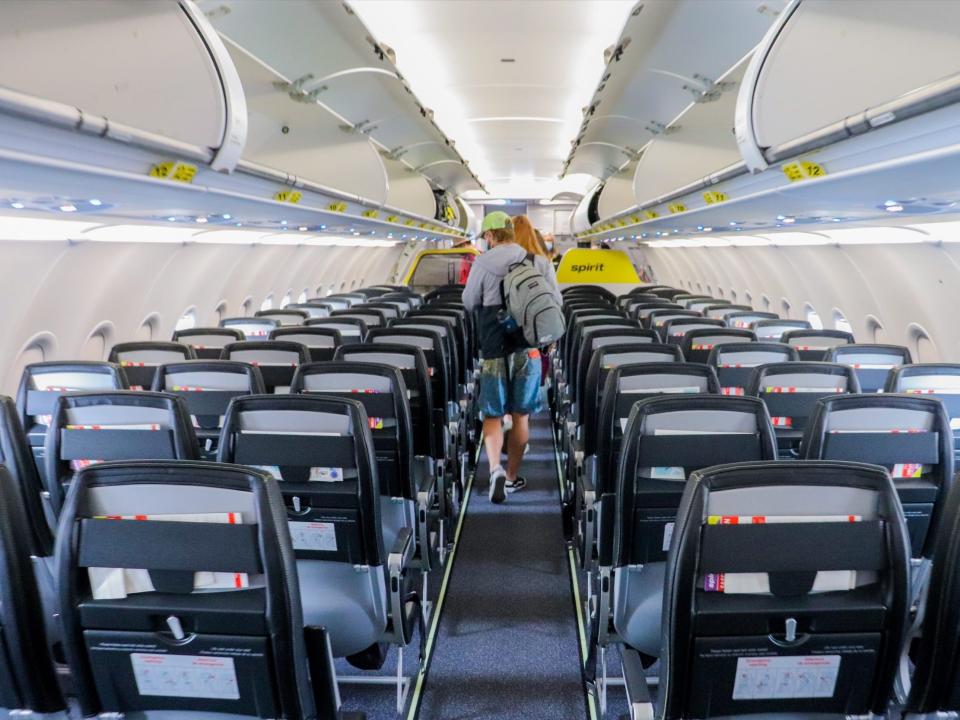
516, 391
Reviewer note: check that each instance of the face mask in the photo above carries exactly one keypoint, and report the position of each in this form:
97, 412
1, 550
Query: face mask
549, 245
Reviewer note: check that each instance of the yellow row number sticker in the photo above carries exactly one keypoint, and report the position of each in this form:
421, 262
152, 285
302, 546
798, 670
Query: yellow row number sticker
803, 170
173, 170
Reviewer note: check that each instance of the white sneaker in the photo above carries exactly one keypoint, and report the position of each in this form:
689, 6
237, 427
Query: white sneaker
498, 481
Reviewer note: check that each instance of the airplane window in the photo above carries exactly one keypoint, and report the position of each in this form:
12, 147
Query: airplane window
33, 353
220, 311
147, 328
813, 317
733, 294
924, 349
186, 321
245, 306
302, 298
287, 299
267, 303
840, 322
95, 348
720, 292
875, 329
785, 307
765, 301
748, 297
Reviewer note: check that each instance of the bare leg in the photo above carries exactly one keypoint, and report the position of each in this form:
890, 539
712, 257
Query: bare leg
493, 440
518, 441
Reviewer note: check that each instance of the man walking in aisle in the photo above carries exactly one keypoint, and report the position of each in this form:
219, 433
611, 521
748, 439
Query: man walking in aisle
510, 368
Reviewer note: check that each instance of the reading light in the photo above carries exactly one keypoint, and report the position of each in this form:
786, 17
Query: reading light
95, 202
894, 208
283, 222
200, 220
226, 216
17, 205
302, 228
69, 207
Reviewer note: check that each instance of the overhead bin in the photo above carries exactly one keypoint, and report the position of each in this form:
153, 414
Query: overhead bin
617, 194
886, 62
305, 140
150, 72
329, 58
879, 138
670, 55
136, 111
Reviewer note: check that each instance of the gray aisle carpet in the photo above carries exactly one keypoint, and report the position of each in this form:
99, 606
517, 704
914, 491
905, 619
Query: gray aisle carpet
507, 639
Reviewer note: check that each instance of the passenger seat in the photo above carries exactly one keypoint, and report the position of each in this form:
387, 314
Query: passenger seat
277, 360
786, 594
207, 342
180, 599
140, 360
872, 363
92, 427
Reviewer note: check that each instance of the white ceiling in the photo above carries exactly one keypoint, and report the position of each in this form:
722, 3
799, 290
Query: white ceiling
512, 121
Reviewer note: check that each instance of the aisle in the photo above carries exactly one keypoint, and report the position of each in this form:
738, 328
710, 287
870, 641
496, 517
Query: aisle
507, 639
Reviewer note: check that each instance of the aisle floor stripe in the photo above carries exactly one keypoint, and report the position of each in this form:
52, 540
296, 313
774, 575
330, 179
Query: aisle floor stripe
414, 711
575, 587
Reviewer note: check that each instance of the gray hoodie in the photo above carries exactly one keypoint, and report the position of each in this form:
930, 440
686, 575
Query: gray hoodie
482, 295
483, 284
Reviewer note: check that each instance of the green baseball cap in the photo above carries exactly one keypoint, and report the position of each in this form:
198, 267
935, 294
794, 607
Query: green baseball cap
496, 220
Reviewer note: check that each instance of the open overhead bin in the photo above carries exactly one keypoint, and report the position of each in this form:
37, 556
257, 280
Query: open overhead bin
329, 58
670, 55
865, 125
139, 111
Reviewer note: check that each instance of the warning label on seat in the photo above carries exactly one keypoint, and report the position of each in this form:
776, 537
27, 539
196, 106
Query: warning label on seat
804, 676
189, 676
313, 536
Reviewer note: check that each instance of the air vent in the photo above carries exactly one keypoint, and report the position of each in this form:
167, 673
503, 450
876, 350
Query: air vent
508, 60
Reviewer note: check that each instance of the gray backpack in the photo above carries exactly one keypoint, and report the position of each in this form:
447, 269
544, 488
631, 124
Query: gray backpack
527, 297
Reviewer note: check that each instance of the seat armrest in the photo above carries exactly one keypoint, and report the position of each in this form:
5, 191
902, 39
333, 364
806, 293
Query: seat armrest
606, 517
424, 479
589, 474
635, 681
401, 553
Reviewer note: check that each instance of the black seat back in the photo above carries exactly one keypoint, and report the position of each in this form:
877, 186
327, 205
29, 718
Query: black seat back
253, 328
734, 362
936, 679
277, 360
937, 380
412, 364
673, 331
872, 363
207, 387
313, 308
656, 319
352, 330
816, 344
744, 319
910, 436
698, 344
43, 383
140, 360
321, 342
208, 342
772, 330
430, 341
607, 357
16, 457
383, 394
28, 681
93, 427
791, 390
597, 336
723, 310
786, 592
178, 592
285, 316
625, 386
372, 317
